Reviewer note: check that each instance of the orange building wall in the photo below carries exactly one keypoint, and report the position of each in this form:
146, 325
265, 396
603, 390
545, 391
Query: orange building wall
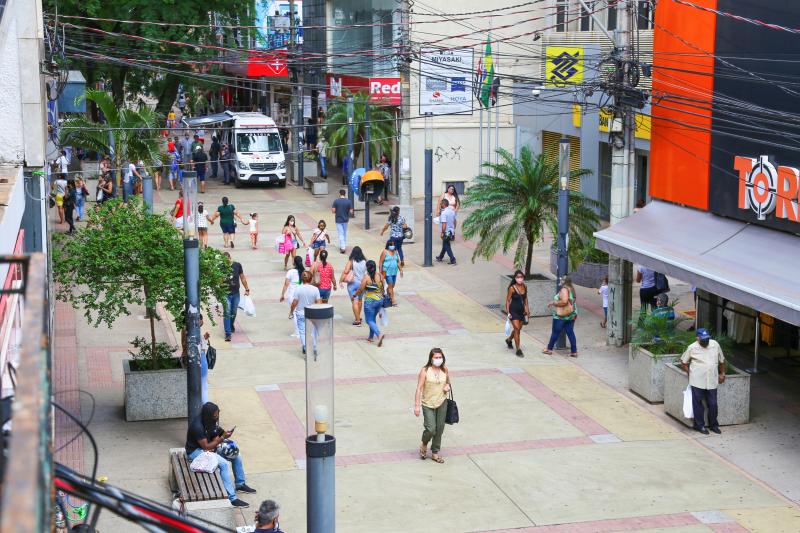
680, 155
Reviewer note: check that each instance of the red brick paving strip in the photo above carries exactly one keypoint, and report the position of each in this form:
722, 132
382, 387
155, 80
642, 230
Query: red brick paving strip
614, 524
65, 387
431, 312
98, 367
290, 428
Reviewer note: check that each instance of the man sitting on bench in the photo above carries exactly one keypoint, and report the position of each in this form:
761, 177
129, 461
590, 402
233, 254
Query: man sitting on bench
204, 434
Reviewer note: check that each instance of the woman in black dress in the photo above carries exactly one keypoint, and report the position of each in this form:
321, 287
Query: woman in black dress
517, 307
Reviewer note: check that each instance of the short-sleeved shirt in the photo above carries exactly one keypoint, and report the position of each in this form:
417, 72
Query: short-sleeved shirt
325, 275
294, 280
179, 208
233, 278
171, 146
129, 173
448, 217
305, 294
342, 208
226, 214
604, 294
396, 227
63, 163
61, 186
194, 434
703, 364
648, 277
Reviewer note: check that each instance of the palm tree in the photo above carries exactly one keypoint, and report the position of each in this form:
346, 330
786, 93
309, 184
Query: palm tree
134, 132
517, 200
382, 127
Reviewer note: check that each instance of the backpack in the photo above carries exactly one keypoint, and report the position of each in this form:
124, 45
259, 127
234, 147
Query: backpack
662, 284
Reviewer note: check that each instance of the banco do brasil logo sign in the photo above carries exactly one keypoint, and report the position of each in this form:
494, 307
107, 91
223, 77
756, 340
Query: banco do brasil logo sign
765, 188
564, 65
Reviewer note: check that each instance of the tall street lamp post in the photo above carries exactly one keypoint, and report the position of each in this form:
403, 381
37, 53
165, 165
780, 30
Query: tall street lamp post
191, 276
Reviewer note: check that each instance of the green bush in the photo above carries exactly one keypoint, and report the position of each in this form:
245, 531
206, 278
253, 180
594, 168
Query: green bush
149, 356
660, 335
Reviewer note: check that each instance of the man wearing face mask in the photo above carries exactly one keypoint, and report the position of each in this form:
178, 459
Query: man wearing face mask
705, 364
267, 517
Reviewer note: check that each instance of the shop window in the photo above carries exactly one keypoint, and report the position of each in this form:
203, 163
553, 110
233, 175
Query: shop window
550, 142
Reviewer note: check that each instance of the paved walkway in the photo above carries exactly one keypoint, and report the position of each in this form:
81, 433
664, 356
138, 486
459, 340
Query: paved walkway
543, 445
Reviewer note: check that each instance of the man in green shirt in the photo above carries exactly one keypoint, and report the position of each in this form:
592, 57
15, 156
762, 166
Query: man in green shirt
226, 213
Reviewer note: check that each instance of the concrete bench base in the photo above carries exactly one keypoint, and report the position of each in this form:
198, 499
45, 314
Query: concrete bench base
317, 185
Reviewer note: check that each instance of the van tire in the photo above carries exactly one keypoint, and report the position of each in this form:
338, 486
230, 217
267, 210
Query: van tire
282, 184
237, 183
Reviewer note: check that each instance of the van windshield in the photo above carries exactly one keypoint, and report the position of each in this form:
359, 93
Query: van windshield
258, 141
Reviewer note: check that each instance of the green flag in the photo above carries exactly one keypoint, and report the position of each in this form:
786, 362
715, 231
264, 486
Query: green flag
488, 74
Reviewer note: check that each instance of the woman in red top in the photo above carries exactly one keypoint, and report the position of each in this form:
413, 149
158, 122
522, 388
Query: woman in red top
327, 279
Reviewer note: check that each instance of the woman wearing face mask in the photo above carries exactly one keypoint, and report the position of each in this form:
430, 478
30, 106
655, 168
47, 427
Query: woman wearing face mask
372, 288
517, 308
396, 224
291, 235
289, 286
433, 384
390, 266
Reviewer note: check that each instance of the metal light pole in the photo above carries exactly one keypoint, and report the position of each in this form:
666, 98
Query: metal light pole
351, 166
320, 444
147, 192
300, 145
191, 277
428, 190
367, 165
562, 265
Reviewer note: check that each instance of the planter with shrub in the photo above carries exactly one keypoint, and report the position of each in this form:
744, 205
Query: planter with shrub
733, 396
155, 384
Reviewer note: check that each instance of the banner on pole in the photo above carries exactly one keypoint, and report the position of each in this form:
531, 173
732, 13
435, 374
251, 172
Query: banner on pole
444, 81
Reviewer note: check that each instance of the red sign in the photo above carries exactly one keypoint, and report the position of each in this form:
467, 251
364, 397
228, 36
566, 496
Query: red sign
266, 66
385, 90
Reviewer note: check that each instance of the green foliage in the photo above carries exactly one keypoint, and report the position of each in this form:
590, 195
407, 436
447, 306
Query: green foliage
516, 201
660, 335
586, 251
382, 127
127, 257
151, 357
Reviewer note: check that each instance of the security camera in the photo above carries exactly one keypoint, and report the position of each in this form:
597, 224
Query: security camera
536, 91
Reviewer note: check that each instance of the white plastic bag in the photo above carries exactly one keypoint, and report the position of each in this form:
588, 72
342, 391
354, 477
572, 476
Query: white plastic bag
246, 305
688, 411
384, 318
205, 462
436, 220
508, 327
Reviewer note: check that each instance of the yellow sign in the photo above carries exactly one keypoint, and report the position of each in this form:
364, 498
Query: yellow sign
605, 119
564, 65
577, 115
642, 123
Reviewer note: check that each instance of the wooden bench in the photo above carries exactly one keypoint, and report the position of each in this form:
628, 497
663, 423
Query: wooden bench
316, 184
196, 490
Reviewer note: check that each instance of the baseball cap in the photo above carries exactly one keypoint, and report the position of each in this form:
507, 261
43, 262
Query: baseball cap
703, 334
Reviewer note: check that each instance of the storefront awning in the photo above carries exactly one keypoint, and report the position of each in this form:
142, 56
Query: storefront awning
197, 122
747, 264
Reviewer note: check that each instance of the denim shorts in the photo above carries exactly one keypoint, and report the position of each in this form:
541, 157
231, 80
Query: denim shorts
391, 279
228, 228
351, 290
324, 294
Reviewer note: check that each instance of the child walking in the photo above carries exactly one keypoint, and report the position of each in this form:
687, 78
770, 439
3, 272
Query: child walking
253, 224
603, 290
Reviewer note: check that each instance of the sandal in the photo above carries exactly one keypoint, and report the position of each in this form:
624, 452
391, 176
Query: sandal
380, 341
574, 354
437, 459
423, 452
548, 352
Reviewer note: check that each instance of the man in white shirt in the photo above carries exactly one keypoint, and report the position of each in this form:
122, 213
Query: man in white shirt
305, 294
63, 164
705, 364
127, 181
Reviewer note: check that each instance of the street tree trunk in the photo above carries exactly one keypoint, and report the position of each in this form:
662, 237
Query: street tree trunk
529, 258
167, 94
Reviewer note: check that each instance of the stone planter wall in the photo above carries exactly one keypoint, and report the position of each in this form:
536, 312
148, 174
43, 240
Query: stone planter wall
733, 396
154, 394
646, 373
586, 275
540, 293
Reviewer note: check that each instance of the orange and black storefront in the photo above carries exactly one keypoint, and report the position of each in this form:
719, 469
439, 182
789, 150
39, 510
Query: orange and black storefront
725, 163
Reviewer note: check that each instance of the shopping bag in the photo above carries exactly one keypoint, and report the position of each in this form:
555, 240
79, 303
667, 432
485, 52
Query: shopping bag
508, 327
451, 415
205, 462
280, 244
246, 305
309, 255
384, 316
688, 411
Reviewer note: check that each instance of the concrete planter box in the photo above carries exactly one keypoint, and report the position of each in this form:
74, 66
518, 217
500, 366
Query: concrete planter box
646, 373
541, 291
310, 168
733, 396
154, 394
586, 275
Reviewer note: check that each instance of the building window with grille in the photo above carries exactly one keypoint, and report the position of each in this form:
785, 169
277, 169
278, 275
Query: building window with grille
562, 15
644, 15
611, 24
586, 22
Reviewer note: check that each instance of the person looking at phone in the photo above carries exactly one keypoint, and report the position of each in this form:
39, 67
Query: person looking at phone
204, 435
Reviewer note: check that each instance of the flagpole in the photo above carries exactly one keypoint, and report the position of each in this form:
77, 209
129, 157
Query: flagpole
480, 141
496, 108
489, 131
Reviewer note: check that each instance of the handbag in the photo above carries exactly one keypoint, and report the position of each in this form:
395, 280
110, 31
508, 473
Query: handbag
565, 310
452, 409
349, 277
211, 356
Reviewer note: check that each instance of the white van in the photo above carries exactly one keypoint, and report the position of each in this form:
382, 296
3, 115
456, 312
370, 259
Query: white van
255, 143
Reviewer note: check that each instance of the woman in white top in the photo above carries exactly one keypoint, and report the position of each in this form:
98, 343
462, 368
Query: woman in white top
202, 224
353, 273
452, 200
290, 285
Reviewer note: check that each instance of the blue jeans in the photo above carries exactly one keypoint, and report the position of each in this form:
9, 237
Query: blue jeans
225, 472
301, 330
446, 249
127, 190
371, 309
398, 243
322, 166
341, 230
203, 377
230, 312
567, 326
226, 172
80, 202
710, 396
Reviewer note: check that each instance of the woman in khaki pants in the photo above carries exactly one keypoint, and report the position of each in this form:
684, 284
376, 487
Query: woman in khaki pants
432, 388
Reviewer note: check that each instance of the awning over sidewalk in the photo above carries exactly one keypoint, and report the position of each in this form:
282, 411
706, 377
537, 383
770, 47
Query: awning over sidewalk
750, 265
198, 122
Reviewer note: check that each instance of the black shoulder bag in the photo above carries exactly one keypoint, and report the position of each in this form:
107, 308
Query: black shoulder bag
452, 409
211, 356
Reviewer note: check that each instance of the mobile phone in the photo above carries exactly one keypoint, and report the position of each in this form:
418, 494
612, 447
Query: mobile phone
233, 429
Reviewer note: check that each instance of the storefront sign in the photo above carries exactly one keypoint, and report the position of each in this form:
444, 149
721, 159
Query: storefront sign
266, 66
641, 122
563, 66
767, 190
385, 90
445, 76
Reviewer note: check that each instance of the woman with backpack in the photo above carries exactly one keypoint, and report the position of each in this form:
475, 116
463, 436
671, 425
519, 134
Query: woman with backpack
565, 312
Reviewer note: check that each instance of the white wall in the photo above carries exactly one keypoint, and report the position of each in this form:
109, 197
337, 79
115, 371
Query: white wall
12, 147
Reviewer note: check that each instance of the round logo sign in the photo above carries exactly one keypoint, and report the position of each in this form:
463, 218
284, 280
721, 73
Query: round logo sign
760, 187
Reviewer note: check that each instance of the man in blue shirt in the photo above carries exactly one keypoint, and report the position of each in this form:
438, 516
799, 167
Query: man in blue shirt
448, 220
267, 517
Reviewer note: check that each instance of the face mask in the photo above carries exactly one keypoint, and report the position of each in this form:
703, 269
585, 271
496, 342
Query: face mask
291, 222
437, 362
704, 343
391, 247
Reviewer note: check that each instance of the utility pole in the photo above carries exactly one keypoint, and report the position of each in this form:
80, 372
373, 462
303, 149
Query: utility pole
404, 146
428, 258
350, 163
620, 272
300, 143
367, 165
191, 277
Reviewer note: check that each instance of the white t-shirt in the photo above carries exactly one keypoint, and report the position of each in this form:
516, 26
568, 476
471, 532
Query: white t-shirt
61, 186
202, 221
305, 294
604, 293
253, 225
129, 173
63, 163
648, 277
294, 280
